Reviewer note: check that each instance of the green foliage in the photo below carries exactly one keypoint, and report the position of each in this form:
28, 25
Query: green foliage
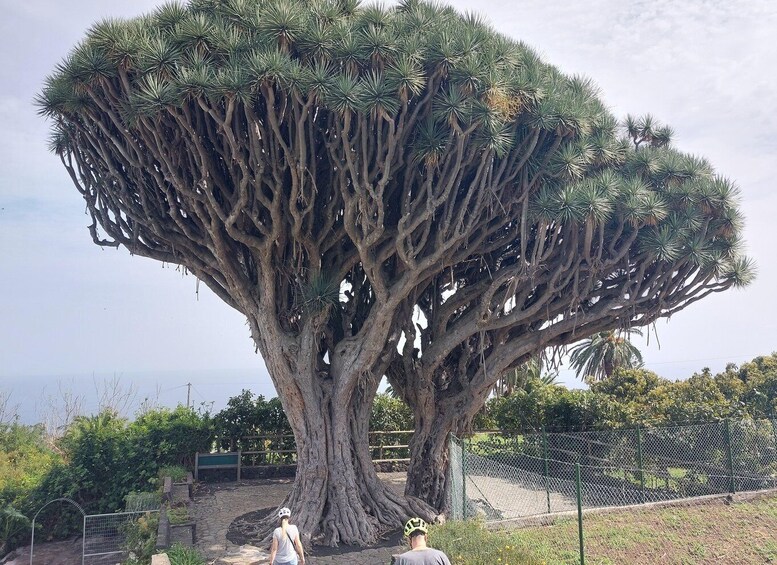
390, 414
140, 501
469, 543
96, 449
12, 522
181, 555
104, 458
637, 397
177, 473
25, 461
168, 437
249, 416
178, 514
599, 356
554, 407
140, 539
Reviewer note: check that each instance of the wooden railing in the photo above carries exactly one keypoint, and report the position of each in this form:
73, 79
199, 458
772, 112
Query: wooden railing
280, 449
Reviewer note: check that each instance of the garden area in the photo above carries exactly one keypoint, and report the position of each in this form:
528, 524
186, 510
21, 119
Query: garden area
104, 462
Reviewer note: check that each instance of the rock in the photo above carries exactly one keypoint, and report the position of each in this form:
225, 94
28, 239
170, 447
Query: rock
246, 555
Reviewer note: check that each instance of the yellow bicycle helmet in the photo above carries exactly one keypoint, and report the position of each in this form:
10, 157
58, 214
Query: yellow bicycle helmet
415, 524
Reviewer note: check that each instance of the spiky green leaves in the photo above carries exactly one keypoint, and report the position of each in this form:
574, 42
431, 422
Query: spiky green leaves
282, 21
375, 58
431, 142
154, 95
741, 271
378, 96
646, 130
319, 294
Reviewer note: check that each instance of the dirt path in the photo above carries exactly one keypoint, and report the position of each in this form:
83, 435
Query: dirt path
220, 507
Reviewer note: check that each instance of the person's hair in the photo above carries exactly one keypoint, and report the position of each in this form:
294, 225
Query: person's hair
284, 523
415, 533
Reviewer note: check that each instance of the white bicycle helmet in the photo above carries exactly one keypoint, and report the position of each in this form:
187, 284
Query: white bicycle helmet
284, 512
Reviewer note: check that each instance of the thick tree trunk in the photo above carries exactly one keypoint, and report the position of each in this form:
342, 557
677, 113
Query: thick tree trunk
427, 474
337, 496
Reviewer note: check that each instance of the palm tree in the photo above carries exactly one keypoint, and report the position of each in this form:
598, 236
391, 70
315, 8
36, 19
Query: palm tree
596, 358
517, 378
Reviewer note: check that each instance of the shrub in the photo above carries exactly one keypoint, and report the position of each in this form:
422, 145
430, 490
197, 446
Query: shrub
142, 501
140, 539
25, 461
106, 457
178, 514
177, 473
181, 555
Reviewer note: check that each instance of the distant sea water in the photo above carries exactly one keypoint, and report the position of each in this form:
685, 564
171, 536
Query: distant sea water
41, 398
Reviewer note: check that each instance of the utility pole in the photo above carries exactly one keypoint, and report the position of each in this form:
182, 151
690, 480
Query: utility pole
188, 393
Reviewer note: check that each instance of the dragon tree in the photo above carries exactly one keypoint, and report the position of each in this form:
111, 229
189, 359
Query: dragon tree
623, 229
330, 169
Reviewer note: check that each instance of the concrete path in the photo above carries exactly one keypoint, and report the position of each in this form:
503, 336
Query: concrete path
217, 505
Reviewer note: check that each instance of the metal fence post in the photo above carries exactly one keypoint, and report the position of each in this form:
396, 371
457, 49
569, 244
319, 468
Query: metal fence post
463, 478
545, 460
639, 464
774, 433
83, 543
579, 512
727, 429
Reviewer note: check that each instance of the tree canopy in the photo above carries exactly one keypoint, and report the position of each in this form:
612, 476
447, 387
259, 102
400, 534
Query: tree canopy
333, 171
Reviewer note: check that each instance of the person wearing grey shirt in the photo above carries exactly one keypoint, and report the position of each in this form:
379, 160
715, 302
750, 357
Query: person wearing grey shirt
420, 553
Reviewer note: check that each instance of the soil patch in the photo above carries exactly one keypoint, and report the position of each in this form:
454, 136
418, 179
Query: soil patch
65, 552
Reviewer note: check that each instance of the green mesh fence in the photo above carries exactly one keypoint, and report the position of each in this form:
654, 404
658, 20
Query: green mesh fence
530, 479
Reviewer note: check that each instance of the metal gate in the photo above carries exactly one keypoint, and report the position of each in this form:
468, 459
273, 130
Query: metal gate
103, 534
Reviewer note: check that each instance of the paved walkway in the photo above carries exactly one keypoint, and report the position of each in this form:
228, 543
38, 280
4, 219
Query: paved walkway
217, 505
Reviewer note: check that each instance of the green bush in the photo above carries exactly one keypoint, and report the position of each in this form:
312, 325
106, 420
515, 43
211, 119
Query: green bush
390, 414
181, 555
25, 461
177, 473
142, 501
166, 437
104, 458
140, 539
249, 416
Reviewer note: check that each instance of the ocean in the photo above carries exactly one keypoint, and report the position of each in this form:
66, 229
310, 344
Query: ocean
49, 398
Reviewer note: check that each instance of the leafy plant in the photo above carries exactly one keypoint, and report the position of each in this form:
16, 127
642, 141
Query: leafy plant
140, 538
11, 522
141, 501
176, 472
178, 514
182, 555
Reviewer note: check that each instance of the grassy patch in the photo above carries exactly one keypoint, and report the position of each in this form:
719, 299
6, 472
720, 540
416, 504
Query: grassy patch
716, 532
178, 515
469, 543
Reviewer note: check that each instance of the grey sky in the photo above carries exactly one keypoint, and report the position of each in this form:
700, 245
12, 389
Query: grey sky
68, 307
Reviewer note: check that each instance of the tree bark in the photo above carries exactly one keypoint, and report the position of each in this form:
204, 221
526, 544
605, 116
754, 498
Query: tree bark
337, 497
427, 474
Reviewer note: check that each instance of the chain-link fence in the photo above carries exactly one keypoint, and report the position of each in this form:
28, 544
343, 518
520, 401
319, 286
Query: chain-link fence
541, 477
